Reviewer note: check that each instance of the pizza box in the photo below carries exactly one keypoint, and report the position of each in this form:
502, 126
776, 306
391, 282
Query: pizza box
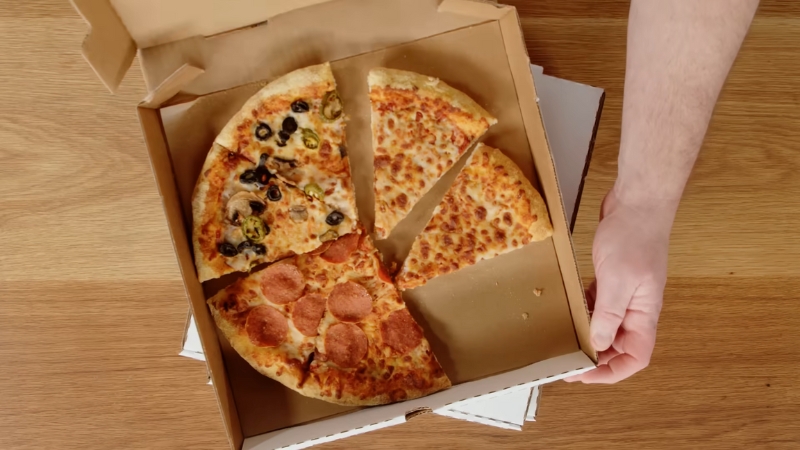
202, 58
571, 113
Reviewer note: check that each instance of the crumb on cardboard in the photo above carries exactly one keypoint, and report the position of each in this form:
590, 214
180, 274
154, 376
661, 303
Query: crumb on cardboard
538, 292
525, 316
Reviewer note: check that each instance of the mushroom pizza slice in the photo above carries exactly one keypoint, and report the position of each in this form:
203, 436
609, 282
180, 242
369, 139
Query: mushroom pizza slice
244, 215
277, 179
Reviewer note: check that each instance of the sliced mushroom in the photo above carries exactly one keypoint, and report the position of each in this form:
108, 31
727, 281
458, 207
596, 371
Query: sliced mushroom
298, 213
238, 206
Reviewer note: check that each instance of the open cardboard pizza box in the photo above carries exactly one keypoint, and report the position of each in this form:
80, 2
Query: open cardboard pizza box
571, 113
202, 59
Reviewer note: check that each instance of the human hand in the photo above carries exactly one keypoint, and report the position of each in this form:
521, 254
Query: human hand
630, 259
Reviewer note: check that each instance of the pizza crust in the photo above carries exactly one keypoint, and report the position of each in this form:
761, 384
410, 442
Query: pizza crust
428, 87
290, 84
206, 269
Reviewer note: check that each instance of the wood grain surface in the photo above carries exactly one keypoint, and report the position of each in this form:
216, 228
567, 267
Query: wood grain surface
92, 307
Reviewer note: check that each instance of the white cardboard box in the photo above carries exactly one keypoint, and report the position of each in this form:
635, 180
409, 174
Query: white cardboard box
571, 113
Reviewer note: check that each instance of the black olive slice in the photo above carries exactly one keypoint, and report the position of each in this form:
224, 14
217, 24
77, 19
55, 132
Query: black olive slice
274, 193
289, 125
246, 245
263, 175
263, 131
227, 249
300, 106
343, 151
334, 218
257, 207
260, 249
248, 177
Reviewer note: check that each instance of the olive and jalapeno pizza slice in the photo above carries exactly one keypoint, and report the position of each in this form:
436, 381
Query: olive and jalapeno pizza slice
244, 215
298, 121
420, 128
331, 325
489, 210
275, 182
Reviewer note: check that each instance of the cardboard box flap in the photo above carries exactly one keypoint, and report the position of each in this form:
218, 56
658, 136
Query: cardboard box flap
172, 85
155, 22
108, 47
339, 31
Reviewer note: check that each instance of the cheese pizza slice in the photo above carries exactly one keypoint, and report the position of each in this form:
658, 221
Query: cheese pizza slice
330, 325
489, 210
420, 128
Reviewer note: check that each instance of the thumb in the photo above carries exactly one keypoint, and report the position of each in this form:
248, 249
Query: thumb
611, 303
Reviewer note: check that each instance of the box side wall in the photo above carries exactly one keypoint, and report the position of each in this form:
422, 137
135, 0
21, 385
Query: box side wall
545, 168
524, 378
162, 170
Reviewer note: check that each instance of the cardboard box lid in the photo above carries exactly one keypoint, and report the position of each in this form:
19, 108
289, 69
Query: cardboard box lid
118, 28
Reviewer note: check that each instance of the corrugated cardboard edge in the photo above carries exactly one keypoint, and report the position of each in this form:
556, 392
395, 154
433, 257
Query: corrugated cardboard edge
533, 404
108, 47
534, 126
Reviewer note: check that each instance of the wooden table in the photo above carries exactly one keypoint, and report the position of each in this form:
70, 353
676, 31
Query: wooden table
93, 309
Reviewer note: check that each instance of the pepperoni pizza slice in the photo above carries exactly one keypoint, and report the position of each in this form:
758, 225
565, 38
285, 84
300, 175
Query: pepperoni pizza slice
489, 210
420, 128
275, 182
330, 325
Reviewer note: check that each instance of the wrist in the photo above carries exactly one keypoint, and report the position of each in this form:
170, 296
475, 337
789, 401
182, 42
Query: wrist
652, 211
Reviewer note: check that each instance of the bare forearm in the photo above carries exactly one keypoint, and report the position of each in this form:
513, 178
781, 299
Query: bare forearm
679, 54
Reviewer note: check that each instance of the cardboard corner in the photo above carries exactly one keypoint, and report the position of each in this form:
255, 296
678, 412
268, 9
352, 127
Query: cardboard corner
108, 47
171, 85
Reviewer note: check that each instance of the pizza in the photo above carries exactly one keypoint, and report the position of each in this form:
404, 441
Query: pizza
489, 210
276, 181
420, 128
331, 325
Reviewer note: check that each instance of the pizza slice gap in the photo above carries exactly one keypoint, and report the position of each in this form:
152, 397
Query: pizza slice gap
490, 209
420, 127
330, 325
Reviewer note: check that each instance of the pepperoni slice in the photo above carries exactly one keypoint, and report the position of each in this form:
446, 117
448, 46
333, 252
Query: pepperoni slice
349, 302
345, 344
401, 332
282, 283
266, 327
307, 313
341, 249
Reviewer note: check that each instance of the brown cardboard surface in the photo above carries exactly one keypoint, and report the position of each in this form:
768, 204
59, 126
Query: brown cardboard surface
474, 318
108, 48
154, 22
341, 28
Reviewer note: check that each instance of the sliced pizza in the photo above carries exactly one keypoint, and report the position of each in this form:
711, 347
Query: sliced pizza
298, 121
420, 128
276, 182
330, 325
244, 215
489, 210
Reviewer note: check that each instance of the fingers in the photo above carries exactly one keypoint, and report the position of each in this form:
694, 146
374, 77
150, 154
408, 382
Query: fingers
613, 296
618, 368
